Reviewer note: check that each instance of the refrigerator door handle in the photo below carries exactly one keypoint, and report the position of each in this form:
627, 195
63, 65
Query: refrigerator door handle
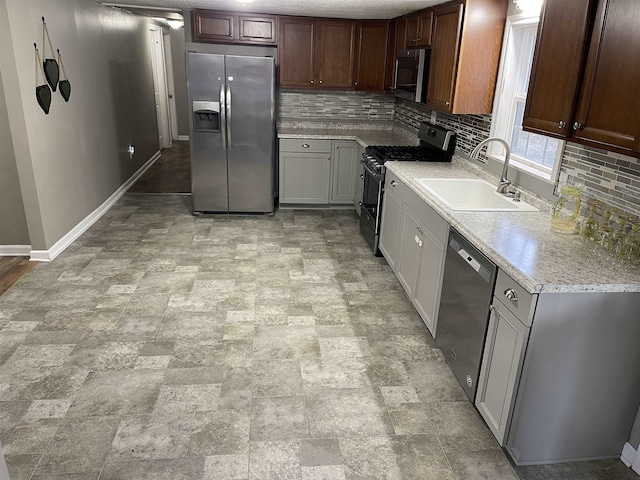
229, 115
223, 123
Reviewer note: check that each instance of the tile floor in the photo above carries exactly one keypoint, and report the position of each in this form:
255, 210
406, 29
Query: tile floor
166, 346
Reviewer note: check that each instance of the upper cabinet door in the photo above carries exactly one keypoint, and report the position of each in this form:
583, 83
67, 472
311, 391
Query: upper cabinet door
257, 29
372, 55
424, 28
609, 110
557, 66
335, 52
295, 50
216, 26
411, 31
447, 27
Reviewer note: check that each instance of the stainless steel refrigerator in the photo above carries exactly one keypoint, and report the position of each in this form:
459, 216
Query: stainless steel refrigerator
232, 132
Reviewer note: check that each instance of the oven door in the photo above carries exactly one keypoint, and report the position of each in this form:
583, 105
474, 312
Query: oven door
372, 198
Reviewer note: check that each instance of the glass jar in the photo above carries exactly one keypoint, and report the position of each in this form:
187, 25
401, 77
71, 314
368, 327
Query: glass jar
566, 210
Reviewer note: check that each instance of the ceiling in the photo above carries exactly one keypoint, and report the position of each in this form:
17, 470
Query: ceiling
313, 8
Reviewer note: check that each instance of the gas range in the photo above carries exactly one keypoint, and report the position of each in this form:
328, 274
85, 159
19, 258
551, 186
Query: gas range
437, 144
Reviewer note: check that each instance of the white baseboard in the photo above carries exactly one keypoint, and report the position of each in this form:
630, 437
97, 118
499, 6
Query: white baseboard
93, 217
183, 138
15, 250
628, 454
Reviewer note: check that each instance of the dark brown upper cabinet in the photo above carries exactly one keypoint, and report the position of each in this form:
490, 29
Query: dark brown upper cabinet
418, 28
316, 53
296, 52
465, 51
593, 78
371, 59
232, 27
335, 53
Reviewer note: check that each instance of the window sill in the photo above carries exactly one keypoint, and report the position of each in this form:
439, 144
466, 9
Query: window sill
525, 169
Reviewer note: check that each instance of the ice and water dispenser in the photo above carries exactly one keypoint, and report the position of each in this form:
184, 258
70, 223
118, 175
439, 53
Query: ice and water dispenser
206, 116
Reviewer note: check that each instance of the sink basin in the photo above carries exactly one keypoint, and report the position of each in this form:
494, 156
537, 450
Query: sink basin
472, 194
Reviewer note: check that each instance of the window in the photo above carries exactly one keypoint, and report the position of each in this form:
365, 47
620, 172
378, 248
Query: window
536, 154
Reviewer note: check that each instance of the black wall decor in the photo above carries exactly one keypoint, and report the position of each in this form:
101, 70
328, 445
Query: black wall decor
64, 85
43, 91
51, 69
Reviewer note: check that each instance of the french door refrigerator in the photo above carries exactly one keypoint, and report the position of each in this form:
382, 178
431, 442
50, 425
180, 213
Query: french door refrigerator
232, 132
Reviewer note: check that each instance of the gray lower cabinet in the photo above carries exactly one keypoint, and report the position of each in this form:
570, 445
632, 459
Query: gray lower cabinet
501, 366
304, 177
317, 172
412, 239
391, 219
359, 180
343, 165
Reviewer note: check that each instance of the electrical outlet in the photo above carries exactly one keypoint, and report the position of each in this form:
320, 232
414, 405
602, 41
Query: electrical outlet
131, 150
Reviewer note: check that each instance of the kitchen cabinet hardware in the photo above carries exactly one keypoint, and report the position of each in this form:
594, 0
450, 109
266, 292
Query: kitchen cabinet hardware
305, 145
393, 183
577, 126
511, 294
320, 82
562, 124
362, 176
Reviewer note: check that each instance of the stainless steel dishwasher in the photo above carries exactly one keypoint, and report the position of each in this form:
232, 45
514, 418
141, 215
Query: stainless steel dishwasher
467, 289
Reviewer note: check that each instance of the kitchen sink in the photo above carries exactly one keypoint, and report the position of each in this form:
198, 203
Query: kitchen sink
472, 194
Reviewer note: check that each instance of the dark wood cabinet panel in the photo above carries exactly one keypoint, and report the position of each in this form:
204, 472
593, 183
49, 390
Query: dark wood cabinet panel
447, 27
411, 31
425, 23
585, 74
335, 52
465, 51
296, 52
389, 76
609, 109
213, 26
561, 44
257, 29
372, 55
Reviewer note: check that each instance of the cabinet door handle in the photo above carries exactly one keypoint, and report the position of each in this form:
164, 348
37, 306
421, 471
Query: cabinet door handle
329, 157
359, 204
393, 183
447, 103
561, 124
312, 82
320, 82
305, 145
362, 176
356, 84
578, 126
511, 294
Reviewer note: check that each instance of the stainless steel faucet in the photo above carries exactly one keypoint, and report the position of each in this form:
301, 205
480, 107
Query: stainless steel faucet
503, 185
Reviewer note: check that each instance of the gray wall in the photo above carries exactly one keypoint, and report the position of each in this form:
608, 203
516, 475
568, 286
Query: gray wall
178, 58
13, 223
73, 159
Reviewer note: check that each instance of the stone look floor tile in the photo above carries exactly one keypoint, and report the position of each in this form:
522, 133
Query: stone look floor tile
343, 412
249, 347
79, 445
278, 418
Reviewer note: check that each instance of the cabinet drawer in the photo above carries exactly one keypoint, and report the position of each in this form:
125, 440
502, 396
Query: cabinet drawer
521, 304
305, 145
395, 185
428, 216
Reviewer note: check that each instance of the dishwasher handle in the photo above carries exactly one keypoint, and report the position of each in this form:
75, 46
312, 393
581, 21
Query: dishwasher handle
469, 259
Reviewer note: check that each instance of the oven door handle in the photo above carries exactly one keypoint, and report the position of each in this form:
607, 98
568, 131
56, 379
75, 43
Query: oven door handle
377, 176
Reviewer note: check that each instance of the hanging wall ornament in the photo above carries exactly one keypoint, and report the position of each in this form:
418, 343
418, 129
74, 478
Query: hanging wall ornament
43, 92
64, 85
51, 70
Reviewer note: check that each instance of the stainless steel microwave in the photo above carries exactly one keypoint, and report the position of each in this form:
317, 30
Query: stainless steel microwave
412, 72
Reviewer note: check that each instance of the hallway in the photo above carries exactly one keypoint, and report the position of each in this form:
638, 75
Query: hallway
171, 173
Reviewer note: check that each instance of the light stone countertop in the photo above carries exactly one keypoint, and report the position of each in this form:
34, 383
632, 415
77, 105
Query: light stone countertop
364, 136
522, 243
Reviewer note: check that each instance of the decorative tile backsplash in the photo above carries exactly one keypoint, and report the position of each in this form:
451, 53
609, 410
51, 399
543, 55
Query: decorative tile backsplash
609, 177
336, 106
